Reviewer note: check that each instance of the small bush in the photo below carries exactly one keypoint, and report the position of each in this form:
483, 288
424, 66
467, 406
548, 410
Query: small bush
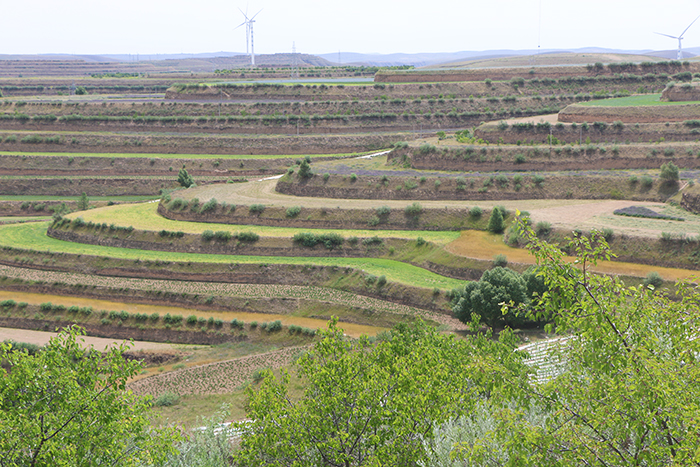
222, 236
207, 235
166, 399
293, 211
543, 228
256, 208
476, 212
413, 210
247, 237
500, 261
653, 279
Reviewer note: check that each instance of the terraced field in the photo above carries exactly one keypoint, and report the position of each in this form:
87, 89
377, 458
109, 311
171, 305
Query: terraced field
212, 291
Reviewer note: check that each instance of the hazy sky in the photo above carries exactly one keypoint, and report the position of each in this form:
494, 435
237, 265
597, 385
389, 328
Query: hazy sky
367, 26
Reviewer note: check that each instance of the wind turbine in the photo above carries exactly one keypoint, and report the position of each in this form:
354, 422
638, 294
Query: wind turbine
680, 38
249, 34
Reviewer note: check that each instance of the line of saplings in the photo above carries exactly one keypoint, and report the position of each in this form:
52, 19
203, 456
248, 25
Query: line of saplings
269, 119
118, 318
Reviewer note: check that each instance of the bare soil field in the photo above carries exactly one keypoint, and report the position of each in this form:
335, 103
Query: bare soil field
43, 337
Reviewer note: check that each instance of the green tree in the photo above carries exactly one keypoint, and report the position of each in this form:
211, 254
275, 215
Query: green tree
66, 406
496, 223
481, 301
373, 405
305, 169
184, 179
669, 172
83, 202
627, 392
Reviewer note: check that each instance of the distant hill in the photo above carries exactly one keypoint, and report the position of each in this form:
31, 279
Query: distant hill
434, 59
549, 59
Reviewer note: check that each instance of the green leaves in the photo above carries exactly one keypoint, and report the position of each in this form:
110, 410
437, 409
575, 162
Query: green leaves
371, 404
69, 406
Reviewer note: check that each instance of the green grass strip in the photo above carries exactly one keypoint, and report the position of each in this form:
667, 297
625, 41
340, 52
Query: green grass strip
33, 236
145, 217
633, 101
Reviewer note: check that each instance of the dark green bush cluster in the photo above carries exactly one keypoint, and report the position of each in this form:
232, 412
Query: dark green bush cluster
373, 241
167, 233
178, 204
293, 211
208, 206
330, 240
272, 326
294, 329
247, 237
237, 324
256, 208
173, 320
413, 210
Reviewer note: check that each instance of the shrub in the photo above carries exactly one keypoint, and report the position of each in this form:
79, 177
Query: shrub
274, 326
383, 211
256, 208
381, 281
184, 178
520, 159
476, 212
191, 320
538, 180
669, 172
420, 241
353, 177
653, 279
207, 235
543, 228
326, 176
500, 261
208, 206
413, 210
293, 211
247, 237
222, 236
166, 399
372, 241
647, 181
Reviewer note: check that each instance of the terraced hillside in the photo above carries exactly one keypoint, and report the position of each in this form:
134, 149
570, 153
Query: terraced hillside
245, 216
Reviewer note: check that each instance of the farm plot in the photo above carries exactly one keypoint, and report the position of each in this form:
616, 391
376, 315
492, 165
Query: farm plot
215, 378
145, 217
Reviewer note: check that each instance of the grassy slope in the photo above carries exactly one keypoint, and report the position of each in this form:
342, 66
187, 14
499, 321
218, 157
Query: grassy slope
633, 101
33, 237
145, 217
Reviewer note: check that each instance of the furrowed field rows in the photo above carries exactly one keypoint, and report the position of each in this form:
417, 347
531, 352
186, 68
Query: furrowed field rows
320, 294
146, 217
214, 378
33, 237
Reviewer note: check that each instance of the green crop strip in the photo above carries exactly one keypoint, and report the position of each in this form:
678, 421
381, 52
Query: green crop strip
33, 237
145, 217
634, 101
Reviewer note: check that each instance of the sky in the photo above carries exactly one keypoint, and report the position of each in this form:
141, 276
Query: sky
148, 27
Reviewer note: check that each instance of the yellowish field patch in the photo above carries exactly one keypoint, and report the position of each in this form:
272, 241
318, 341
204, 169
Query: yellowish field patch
354, 330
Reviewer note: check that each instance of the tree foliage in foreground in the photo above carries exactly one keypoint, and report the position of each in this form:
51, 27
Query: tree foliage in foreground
628, 391
371, 405
65, 406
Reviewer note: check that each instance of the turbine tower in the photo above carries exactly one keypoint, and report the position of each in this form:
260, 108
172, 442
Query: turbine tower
248, 34
680, 38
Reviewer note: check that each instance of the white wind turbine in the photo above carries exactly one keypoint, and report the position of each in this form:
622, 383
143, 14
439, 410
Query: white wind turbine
249, 34
680, 38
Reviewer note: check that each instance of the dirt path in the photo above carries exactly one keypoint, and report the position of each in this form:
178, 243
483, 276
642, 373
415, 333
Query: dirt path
42, 338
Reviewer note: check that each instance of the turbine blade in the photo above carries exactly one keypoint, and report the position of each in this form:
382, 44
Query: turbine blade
256, 14
681, 36
239, 25
672, 37
244, 15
